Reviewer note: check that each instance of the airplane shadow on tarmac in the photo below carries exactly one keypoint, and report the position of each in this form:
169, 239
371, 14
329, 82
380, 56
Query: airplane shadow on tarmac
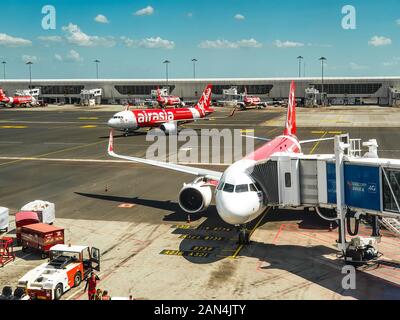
308, 263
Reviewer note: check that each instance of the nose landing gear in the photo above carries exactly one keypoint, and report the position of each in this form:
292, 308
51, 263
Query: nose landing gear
244, 235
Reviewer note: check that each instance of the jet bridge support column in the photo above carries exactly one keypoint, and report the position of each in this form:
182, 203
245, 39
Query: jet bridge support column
341, 208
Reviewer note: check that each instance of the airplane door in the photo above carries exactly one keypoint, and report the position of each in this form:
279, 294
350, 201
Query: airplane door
95, 259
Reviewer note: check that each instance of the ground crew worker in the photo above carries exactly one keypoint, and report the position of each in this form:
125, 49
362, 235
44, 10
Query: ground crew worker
91, 283
98, 294
105, 295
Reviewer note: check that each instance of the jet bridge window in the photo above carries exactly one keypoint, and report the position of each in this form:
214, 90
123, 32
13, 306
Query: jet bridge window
240, 188
389, 201
288, 180
229, 187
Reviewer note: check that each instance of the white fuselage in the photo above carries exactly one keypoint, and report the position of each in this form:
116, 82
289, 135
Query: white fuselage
238, 199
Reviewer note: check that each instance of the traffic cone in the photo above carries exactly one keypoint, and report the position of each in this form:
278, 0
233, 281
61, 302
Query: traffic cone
188, 218
330, 227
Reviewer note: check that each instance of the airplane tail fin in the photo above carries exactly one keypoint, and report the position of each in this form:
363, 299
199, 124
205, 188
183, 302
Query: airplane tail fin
205, 100
290, 127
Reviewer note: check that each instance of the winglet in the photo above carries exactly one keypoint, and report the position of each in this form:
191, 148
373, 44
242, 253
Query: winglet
111, 143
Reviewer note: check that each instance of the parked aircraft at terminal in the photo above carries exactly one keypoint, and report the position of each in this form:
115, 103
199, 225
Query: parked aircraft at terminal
16, 100
239, 199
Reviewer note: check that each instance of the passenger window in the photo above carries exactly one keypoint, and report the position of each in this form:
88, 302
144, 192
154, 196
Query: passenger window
288, 180
229, 187
240, 188
253, 187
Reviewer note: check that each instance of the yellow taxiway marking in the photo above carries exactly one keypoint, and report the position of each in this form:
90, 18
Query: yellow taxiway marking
89, 126
246, 130
13, 127
317, 132
236, 253
318, 142
88, 118
335, 132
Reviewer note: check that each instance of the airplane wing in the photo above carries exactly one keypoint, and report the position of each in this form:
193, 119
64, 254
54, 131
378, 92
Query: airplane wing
300, 141
213, 175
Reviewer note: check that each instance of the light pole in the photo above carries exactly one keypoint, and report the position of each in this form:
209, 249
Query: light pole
97, 67
322, 59
4, 69
30, 63
166, 62
194, 68
300, 58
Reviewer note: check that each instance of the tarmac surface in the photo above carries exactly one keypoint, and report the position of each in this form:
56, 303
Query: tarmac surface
130, 211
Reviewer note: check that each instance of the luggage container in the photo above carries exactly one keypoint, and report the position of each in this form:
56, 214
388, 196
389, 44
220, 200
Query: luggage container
24, 218
4, 214
45, 210
41, 237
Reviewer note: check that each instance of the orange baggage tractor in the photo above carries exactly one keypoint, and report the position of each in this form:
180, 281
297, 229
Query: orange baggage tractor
41, 237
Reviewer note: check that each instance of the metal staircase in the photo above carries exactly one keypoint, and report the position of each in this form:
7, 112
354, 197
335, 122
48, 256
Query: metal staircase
392, 224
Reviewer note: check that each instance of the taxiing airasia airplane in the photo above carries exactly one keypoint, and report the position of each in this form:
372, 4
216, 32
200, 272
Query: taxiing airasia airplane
251, 101
168, 101
165, 119
16, 100
239, 198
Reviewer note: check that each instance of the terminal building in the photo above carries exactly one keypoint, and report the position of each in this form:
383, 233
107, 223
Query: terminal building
336, 91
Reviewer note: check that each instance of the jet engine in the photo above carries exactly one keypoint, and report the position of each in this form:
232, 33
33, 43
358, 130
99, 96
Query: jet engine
169, 128
195, 197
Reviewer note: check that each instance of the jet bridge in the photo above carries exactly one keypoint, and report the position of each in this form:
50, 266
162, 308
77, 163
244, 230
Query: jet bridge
368, 186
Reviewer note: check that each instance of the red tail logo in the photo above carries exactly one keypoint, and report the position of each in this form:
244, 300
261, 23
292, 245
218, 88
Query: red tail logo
205, 99
2, 95
290, 127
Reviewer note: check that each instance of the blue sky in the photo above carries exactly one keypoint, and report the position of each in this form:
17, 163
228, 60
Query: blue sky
230, 38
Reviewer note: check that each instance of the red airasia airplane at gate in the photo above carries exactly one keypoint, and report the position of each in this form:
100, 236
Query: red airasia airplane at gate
169, 101
16, 100
165, 119
239, 198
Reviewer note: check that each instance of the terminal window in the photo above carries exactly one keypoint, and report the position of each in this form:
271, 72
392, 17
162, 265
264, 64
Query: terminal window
349, 88
389, 198
251, 89
141, 89
61, 89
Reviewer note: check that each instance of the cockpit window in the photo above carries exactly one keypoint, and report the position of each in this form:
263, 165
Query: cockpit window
229, 187
220, 186
241, 188
253, 187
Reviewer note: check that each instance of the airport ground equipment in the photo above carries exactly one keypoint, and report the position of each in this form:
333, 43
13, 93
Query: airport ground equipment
45, 210
4, 219
91, 97
341, 186
6, 250
41, 237
67, 267
24, 218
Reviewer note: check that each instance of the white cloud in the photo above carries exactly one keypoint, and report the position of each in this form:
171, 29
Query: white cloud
10, 41
239, 16
76, 36
148, 11
149, 43
71, 56
378, 41
393, 62
58, 57
355, 66
190, 14
398, 22
101, 19
26, 58
225, 44
50, 38
287, 44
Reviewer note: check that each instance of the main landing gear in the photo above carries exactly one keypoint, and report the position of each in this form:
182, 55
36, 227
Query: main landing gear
244, 235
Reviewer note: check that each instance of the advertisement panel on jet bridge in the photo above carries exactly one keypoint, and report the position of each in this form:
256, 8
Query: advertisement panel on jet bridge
362, 186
